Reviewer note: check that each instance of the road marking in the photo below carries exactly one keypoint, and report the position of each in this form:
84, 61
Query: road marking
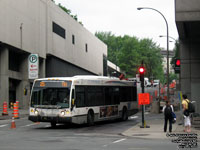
114, 142
3, 125
28, 125
119, 141
138, 148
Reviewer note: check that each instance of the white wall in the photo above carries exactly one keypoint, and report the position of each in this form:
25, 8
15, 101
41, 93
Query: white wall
36, 17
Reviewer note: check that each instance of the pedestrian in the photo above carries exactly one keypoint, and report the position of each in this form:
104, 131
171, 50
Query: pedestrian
186, 114
167, 110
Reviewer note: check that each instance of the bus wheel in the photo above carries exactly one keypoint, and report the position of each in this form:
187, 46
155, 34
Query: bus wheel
124, 114
53, 124
90, 118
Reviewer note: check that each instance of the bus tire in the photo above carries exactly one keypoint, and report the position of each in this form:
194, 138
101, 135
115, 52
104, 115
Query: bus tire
90, 118
124, 114
53, 124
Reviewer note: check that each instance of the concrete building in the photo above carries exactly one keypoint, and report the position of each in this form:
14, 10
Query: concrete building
188, 23
164, 54
64, 46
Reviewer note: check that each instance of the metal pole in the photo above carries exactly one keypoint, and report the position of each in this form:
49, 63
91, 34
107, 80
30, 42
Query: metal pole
167, 46
21, 35
143, 125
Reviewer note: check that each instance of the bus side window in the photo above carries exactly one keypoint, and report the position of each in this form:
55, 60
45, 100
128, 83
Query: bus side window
80, 96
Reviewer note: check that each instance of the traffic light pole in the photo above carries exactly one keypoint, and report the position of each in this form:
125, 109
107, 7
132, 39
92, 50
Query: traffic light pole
143, 124
142, 70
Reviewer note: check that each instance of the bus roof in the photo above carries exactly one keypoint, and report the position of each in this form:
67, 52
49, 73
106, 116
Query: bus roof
86, 78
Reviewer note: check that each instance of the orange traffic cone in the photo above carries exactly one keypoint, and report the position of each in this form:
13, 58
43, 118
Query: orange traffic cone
5, 106
15, 111
13, 126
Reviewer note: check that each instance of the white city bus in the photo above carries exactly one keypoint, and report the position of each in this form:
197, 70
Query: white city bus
82, 99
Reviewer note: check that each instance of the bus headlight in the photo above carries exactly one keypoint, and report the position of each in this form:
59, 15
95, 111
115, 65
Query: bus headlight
36, 112
62, 113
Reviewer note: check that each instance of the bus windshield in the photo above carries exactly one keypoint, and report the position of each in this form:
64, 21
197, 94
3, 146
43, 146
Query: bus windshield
50, 97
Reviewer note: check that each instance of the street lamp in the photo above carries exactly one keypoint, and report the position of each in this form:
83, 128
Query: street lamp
168, 36
140, 8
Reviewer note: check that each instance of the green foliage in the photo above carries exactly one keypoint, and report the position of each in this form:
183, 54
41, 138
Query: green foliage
68, 11
128, 53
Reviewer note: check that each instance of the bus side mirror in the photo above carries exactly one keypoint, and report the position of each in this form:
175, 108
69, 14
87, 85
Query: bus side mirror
72, 104
73, 101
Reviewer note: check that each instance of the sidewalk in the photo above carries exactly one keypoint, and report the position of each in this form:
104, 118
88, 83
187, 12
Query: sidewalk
22, 113
156, 128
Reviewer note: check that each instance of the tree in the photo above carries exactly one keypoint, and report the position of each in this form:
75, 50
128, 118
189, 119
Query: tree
68, 11
128, 53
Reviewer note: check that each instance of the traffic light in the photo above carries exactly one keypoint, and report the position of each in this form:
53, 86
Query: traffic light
177, 65
141, 71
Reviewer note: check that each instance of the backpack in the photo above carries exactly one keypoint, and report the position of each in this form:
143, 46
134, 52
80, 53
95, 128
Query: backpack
191, 108
168, 111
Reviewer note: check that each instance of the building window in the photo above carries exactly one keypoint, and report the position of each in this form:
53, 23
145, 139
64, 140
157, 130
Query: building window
58, 30
86, 48
14, 61
73, 39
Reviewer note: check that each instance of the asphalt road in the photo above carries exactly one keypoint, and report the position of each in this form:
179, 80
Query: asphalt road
102, 136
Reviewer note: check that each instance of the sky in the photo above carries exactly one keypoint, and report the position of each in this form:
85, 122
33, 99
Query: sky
121, 17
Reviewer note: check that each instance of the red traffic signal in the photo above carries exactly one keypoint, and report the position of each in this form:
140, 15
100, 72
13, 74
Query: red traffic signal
178, 62
141, 70
177, 65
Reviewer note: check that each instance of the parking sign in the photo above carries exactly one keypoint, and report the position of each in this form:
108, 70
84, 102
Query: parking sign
33, 69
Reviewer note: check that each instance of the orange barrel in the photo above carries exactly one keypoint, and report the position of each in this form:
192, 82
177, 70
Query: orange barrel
5, 108
156, 93
15, 111
165, 98
151, 98
161, 91
17, 102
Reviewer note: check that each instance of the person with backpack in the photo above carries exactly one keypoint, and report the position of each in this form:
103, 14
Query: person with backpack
168, 109
186, 113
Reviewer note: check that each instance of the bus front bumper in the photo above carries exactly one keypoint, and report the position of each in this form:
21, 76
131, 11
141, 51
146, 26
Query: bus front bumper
56, 119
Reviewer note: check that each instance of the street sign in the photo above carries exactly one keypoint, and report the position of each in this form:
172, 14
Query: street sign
33, 69
143, 98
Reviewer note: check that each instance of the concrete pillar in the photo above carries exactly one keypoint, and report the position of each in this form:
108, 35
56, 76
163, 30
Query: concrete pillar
185, 67
24, 83
190, 73
4, 78
195, 73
